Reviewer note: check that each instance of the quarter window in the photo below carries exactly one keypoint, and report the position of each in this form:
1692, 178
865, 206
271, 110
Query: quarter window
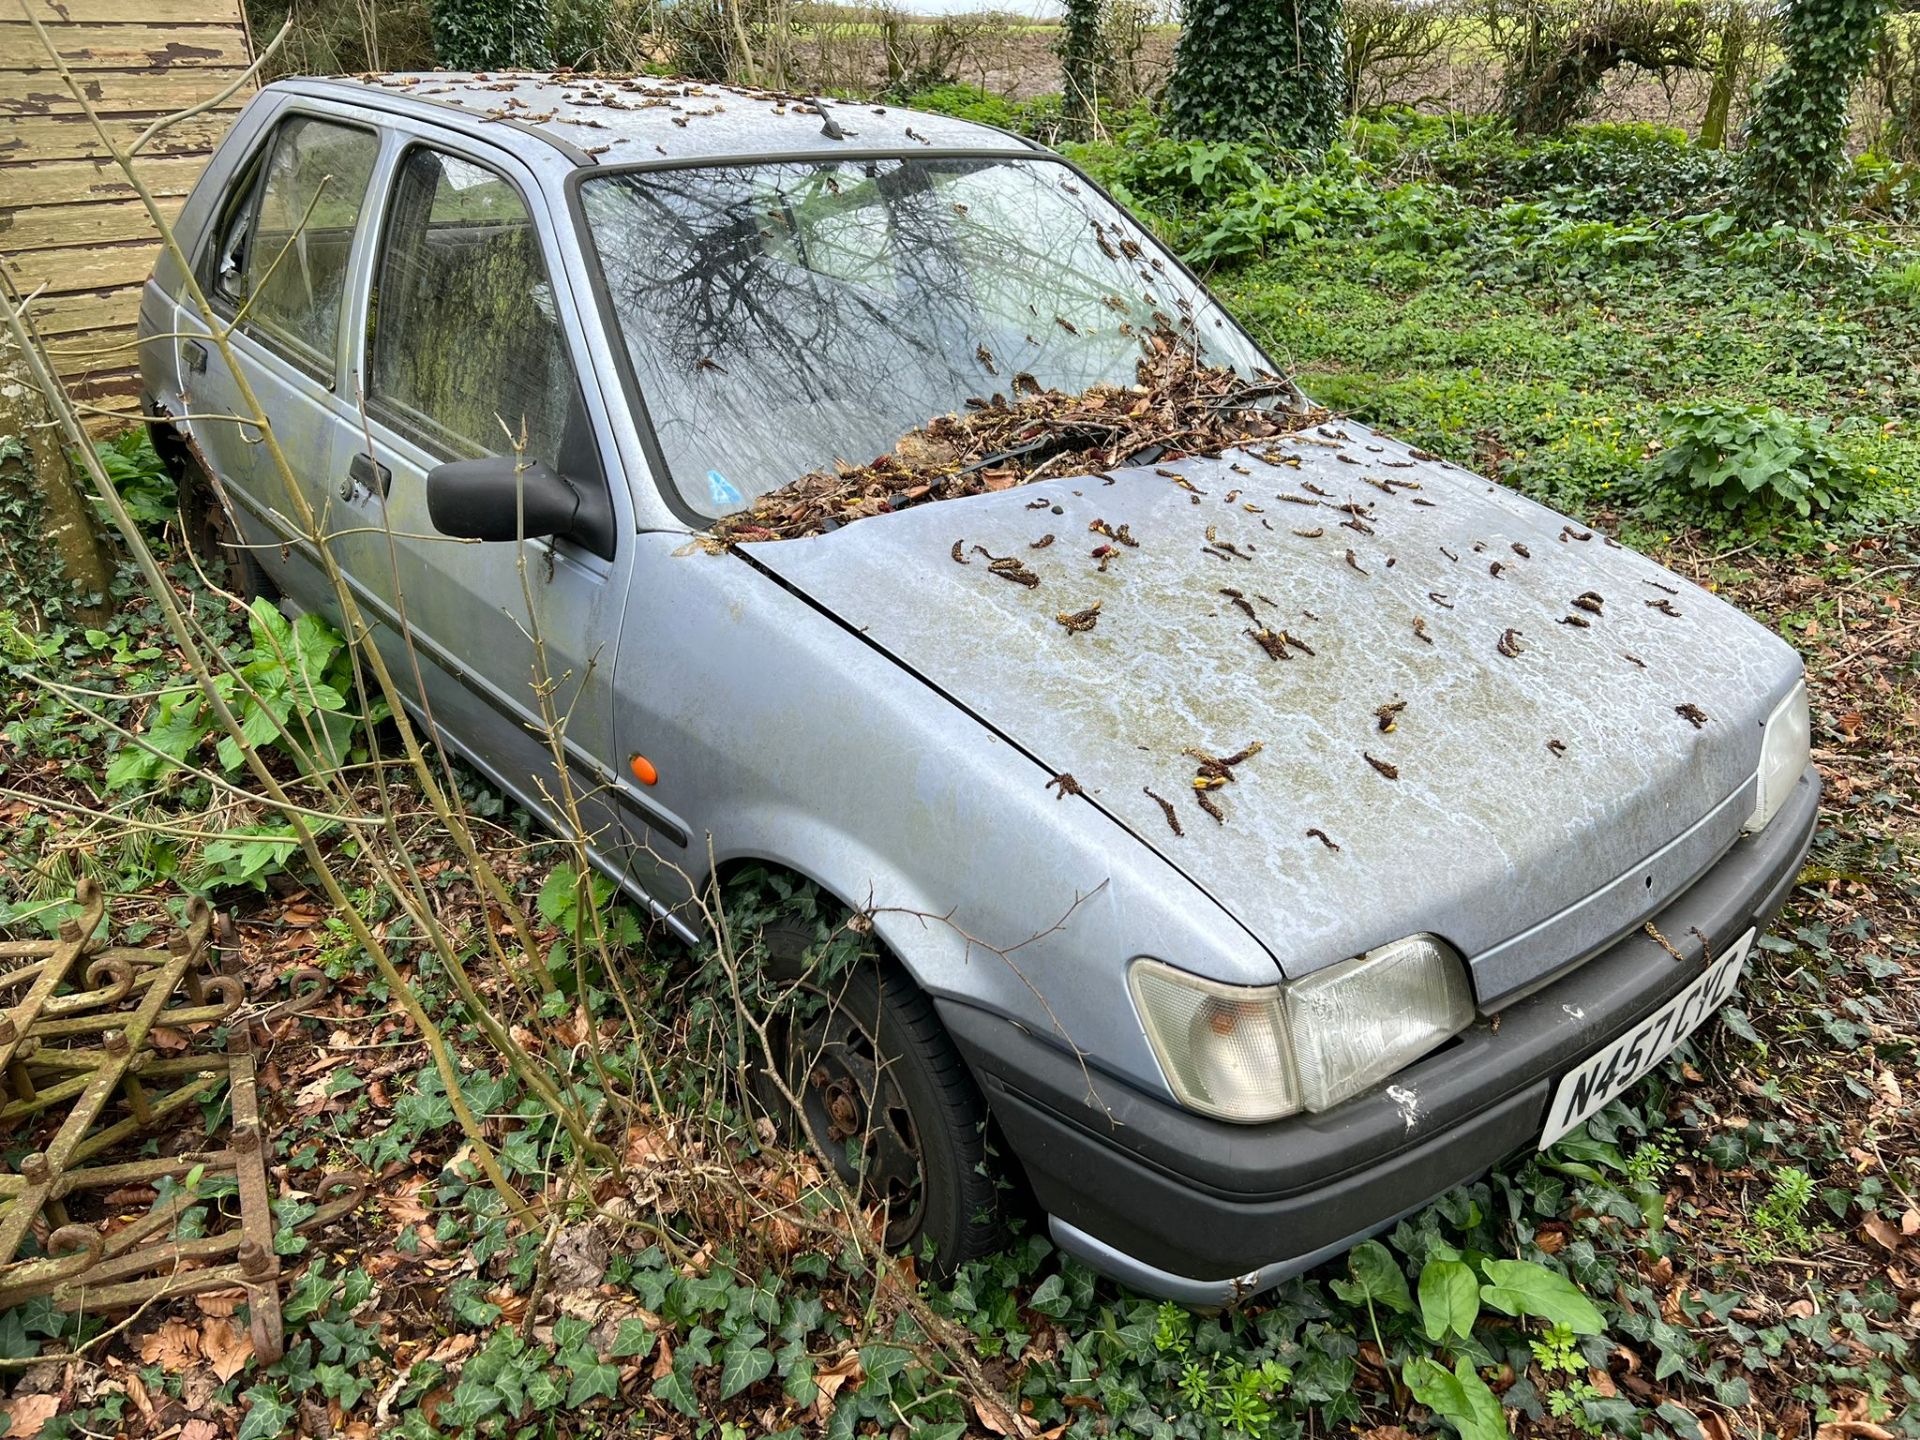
283, 262
467, 348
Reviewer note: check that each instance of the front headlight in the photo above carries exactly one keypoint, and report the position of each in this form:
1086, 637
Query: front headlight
1252, 1053
1784, 753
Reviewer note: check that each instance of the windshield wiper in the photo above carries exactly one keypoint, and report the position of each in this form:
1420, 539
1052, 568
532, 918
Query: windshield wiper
1042, 447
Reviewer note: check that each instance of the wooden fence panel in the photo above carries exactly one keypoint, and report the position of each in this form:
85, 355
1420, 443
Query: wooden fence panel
70, 226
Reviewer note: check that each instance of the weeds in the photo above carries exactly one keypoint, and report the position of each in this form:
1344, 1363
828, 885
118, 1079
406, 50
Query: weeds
1755, 460
733, 1284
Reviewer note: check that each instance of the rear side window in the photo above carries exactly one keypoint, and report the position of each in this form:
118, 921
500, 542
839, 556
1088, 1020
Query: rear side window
467, 351
281, 257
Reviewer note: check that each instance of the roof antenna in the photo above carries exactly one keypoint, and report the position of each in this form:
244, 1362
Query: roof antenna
832, 128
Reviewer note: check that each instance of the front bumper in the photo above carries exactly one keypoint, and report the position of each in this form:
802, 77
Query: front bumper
1204, 1212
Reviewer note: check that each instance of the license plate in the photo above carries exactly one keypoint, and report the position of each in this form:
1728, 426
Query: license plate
1586, 1090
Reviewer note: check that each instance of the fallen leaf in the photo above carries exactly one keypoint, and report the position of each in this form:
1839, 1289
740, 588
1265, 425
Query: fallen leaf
662, 1360
455, 1347
137, 1392
220, 1303
228, 1349
198, 1429
174, 1346
828, 1381
1880, 1230
403, 1202
27, 1413
997, 1420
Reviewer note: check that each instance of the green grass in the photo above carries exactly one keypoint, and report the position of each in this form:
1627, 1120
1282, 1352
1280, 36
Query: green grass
1498, 304
1476, 298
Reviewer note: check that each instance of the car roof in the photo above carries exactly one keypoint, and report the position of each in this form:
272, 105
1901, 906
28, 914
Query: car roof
645, 119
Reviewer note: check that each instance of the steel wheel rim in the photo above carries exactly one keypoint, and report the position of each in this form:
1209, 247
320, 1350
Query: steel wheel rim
856, 1114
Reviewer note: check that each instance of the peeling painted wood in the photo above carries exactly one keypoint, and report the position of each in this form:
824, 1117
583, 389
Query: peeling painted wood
87, 312
81, 267
156, 92
125, 47
106, 222
70, 137
100, 352
70, 227
151, 12
59, 181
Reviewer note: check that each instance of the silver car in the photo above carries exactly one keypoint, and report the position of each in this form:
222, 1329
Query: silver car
1229, 957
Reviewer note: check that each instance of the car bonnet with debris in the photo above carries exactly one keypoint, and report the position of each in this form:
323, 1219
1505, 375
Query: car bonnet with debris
1268, 825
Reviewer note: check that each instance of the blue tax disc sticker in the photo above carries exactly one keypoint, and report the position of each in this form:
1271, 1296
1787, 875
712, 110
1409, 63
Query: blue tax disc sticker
720, 490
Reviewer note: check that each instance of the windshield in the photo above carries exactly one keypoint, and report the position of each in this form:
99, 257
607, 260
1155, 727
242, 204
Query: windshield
785, 318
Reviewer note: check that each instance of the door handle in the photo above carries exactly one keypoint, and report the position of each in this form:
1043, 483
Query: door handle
195, 354
364, 473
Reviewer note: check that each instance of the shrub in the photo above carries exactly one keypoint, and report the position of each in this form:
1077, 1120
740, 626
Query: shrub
1261, 69
491, 34
296, 679
1592, 172
1895, 79
967, 102
1756, 459
1173, 175
145, 487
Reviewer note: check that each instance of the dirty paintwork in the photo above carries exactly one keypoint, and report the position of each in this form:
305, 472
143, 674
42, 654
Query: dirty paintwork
1484, 831
1251, 715
623, 120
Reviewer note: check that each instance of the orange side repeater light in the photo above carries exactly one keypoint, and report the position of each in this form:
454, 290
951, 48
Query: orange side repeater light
643, 770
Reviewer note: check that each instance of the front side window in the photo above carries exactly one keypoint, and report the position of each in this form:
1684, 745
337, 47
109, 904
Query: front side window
284, 263
467, 348
784, 317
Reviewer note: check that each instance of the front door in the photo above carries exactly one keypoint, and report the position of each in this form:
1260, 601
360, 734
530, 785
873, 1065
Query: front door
468, 353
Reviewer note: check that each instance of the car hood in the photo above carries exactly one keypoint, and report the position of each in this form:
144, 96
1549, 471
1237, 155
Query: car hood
1535, 765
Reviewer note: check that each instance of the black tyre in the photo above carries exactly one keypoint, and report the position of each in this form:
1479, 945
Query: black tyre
888, 1100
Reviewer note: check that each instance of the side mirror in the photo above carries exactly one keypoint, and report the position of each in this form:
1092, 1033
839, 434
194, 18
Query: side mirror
502, 497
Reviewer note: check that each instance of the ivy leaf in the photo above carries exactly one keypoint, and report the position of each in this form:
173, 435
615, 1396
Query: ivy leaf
591, 1381
14, 1344
744, 1362
1376, 1277
1449, 1298
269, 1414
883, 1362
1520, 1287
674, 1388
633, 1340
800, 1387
1050, 1298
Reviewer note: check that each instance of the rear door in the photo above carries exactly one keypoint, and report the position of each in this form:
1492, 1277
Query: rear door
469, 347
275, 265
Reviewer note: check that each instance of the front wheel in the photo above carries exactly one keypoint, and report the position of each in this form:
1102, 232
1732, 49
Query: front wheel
887, 1099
